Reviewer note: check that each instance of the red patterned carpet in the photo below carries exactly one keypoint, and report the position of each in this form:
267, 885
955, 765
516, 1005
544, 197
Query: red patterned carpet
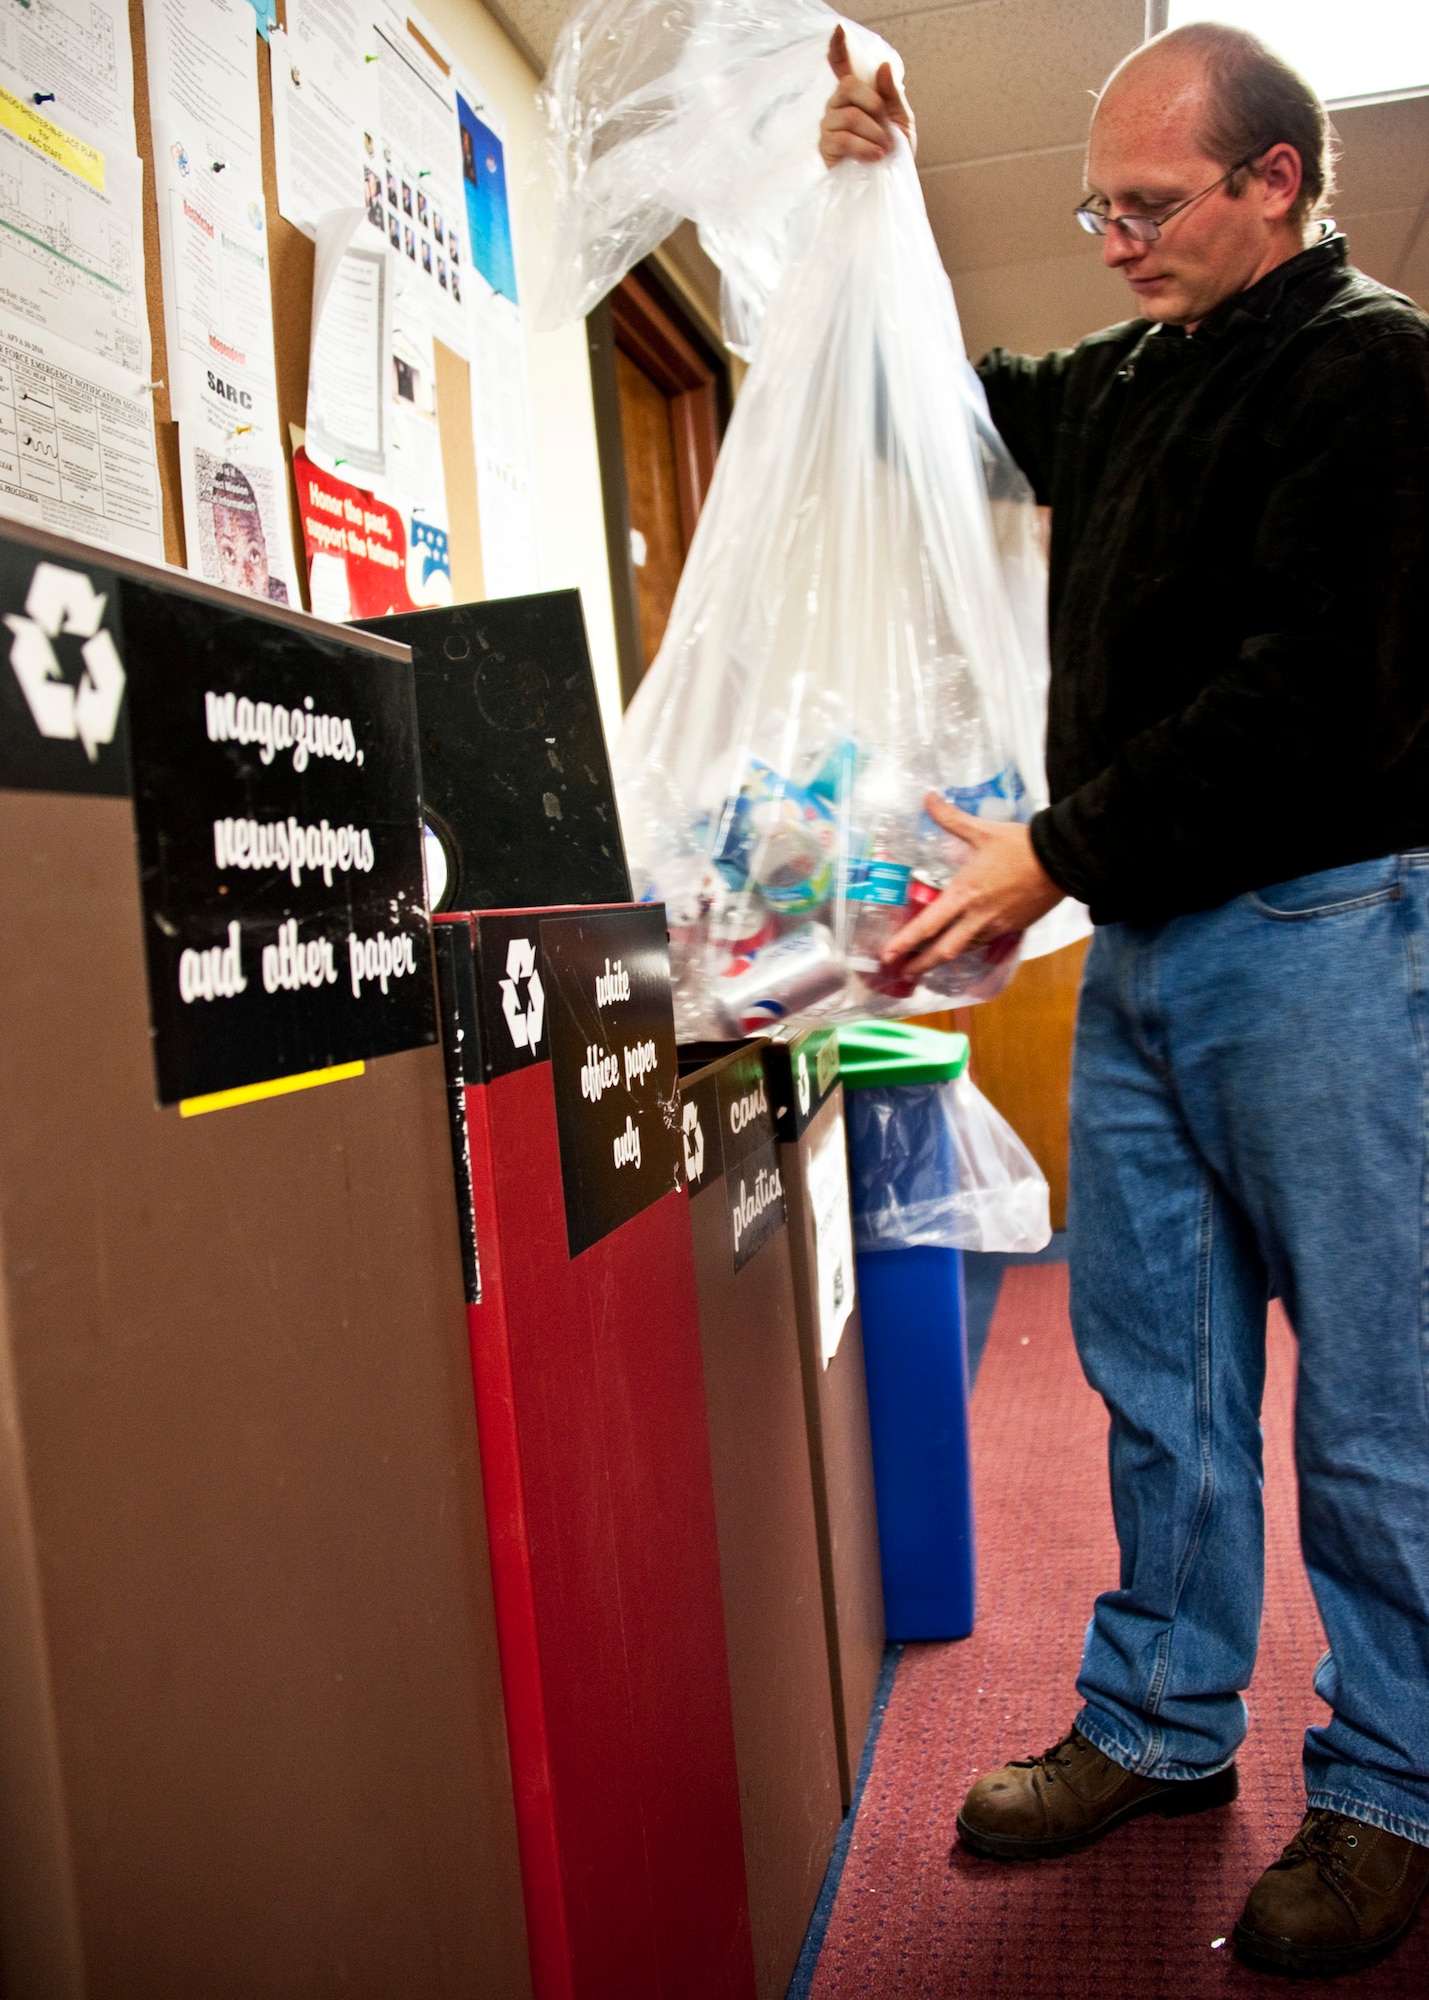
1136, 1918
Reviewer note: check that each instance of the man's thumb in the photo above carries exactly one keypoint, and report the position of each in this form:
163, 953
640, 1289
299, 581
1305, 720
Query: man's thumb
952, 819
893, 97
838, 53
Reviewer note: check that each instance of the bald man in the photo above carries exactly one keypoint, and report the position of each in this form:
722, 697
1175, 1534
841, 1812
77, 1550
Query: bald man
1238, 757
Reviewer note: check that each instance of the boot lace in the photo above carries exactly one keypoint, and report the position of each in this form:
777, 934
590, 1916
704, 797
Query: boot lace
1326, 1839
1058, 1758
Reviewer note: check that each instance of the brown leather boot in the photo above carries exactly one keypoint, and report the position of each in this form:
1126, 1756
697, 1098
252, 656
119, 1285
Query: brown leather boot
1038, 1807
1340, 1896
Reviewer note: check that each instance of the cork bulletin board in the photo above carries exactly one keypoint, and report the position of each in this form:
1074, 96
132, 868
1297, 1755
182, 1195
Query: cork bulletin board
291, 271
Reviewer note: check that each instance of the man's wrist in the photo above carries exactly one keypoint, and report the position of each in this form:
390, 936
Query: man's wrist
1049, 848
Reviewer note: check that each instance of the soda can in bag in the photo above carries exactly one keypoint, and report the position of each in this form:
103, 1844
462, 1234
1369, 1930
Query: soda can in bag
741, 927
922, 891
792, 862
783, 977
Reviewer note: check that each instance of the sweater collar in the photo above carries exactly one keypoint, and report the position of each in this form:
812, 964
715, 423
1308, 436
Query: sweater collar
1262, 300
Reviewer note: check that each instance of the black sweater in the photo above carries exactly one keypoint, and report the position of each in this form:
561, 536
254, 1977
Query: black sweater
1239, 600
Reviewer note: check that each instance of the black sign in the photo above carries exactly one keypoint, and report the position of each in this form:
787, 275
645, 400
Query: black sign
606, 976
64, 717
754, 1190
278, 815
511, 990
700, 1131
802, 1070
515, 777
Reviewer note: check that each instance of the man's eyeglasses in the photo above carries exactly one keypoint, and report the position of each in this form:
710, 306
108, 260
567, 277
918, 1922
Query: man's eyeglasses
1145, 228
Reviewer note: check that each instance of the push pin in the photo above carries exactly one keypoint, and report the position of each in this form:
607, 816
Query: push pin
44, 97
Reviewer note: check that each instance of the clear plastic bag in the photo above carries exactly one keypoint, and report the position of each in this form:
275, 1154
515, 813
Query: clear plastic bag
934, 1166
662, 110
861, 616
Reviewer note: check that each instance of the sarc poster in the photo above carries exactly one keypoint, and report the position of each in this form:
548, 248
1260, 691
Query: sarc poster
356, 547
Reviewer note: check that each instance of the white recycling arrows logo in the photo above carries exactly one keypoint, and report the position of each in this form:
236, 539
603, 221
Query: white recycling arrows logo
694, 1138
525, 1023
801, 1078
64, 600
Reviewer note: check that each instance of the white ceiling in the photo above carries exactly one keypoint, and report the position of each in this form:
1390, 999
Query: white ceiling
1002, 91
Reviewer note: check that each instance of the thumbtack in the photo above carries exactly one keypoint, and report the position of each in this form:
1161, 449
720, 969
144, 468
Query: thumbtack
219, 165
241, 430
422, 173
44, 97
369, 58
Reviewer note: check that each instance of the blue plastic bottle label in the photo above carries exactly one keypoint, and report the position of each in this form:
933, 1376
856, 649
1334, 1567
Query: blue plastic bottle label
883, 882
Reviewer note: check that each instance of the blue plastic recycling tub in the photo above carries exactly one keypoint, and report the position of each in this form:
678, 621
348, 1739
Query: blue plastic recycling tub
914, 1344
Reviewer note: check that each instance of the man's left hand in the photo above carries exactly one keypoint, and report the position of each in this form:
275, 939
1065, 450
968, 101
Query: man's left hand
1001, 887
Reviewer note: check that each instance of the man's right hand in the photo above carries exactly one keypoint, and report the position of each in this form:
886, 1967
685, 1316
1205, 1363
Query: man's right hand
860, 117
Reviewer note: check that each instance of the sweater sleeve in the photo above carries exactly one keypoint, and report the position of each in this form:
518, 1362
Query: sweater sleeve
1329, 689
1024, 395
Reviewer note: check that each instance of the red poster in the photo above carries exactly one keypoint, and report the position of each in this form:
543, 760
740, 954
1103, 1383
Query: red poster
356, 547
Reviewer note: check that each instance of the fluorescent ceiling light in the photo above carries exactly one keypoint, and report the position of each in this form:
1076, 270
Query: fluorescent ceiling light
1348, 49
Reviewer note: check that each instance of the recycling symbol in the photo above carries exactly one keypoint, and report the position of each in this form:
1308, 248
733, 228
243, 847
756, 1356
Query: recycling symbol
694, 1138
64, 600
525, 1023
801, 1078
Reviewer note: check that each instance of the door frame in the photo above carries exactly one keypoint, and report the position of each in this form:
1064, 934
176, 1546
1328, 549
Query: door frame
645, 318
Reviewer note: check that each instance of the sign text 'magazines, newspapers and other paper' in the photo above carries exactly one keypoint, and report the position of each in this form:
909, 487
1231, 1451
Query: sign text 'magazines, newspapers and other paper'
277, 798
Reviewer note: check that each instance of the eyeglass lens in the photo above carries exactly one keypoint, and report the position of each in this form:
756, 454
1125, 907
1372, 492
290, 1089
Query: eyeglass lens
1140, 228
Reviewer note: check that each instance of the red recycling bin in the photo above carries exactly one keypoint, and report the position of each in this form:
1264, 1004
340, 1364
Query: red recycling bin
595, 1454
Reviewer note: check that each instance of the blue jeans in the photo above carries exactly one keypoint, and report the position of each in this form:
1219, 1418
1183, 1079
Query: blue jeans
1248, 1116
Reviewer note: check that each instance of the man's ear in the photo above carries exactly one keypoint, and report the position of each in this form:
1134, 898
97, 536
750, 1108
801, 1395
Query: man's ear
1281, 176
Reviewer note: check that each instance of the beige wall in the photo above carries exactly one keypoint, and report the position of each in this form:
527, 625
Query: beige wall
572, 520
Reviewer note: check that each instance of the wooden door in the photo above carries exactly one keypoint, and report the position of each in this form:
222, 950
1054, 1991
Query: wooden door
657, 534
660, 390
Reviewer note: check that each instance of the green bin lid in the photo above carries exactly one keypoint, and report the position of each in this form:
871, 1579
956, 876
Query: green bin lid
875, 1054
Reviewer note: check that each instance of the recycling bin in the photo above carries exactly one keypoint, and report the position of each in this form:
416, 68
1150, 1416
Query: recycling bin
915, 1352
806, 1102
517, 795
590, 1400
252, 1733
784, 1736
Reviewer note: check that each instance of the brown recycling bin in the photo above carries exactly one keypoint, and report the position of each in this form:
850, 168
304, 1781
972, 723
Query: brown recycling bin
806, 1102
785, 1741
252, 1739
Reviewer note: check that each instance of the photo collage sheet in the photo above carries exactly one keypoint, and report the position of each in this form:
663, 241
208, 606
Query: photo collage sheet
378, 160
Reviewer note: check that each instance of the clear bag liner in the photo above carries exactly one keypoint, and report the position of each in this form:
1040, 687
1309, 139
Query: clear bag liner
861, 616
934, 1166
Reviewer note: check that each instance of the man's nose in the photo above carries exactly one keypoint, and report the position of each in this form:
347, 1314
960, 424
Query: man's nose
1119, 247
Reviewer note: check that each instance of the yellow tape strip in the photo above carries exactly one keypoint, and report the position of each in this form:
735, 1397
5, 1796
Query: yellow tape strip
279, 1086
85, 161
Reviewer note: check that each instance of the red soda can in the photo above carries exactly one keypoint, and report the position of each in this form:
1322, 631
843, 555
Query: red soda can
922, 891
741, 927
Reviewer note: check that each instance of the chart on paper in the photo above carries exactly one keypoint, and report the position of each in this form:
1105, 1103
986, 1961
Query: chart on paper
77, 447
71, 255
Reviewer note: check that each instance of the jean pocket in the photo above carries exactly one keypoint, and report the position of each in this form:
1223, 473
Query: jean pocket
1330, 892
